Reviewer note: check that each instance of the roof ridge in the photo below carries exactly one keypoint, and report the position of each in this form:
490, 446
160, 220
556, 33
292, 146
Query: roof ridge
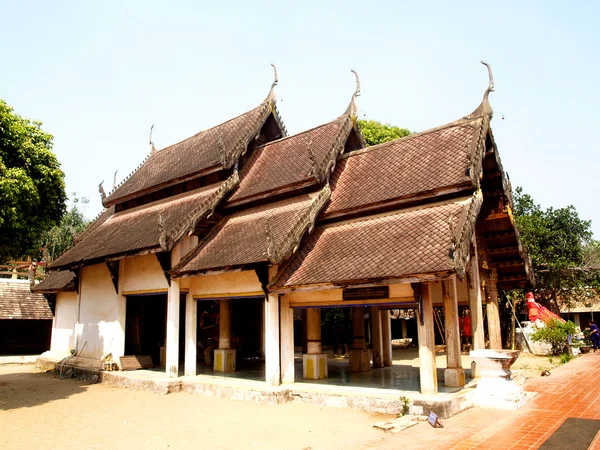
266, 144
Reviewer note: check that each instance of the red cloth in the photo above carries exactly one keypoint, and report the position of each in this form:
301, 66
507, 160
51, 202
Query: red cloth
537, 311
467, 326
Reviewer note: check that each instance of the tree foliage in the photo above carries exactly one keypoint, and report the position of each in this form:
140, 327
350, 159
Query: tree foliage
565, 257
32, 187
377, 132
61, 237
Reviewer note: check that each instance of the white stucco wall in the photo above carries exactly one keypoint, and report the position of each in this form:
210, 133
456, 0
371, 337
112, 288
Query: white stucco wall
63, 325
399, 293
142, 274
227, 284
101, 326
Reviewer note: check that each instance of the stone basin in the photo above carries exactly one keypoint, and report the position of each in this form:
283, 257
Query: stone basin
494, 363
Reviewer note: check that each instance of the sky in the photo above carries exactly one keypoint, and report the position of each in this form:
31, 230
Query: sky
99, 74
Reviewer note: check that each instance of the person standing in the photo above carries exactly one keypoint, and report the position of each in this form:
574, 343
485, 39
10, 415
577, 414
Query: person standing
594, 335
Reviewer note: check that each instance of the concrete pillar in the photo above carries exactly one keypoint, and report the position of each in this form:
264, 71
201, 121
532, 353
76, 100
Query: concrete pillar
224, 355
191, 324
272, 356
577, 320
314, 362
376, 337
172, 356
475, 301
386, 337
286, 317
493, 313
404, 329
454, 375
359, 356
427, 370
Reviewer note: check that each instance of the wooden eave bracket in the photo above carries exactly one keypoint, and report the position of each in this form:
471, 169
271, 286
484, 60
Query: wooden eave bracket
113, 269
262, 273
418, 295
164, 259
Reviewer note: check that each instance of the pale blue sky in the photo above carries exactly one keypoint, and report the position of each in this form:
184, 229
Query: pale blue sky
98, 74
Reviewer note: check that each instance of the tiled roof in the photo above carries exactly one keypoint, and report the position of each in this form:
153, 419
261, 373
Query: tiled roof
140, 228
63, 280
419, 164
220, 146
398, 245
299, 160
260, 234
18, 302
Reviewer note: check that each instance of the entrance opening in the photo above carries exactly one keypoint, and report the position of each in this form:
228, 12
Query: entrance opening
146, 325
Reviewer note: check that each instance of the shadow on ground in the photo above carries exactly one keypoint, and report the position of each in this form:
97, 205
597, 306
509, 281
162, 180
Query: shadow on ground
19, 388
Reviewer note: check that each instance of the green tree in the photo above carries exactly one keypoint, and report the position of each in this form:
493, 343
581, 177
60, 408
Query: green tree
556, 334
377, 132
61, 237
32, 187
564, 256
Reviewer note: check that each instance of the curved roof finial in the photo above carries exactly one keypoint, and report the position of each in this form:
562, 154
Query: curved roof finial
152, 147
485, 109
352, 108
271, 97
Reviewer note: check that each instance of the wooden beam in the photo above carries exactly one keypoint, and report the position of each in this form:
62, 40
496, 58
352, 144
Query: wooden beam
503, 250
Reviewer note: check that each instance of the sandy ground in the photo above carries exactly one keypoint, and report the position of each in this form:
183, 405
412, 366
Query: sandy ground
38, 410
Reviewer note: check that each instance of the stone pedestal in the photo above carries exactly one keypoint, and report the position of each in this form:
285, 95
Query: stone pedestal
496, 389
224, 360
454, 377
314, 366
360, 360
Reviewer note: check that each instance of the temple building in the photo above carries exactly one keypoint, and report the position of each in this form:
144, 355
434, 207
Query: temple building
232, 230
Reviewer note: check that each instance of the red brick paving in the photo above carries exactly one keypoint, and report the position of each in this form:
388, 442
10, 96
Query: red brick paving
572, 390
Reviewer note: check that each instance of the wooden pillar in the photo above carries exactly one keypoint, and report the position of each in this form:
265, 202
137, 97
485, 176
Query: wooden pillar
475, 301
454, 375
272, 356
359, 357
386, 337
314, 362
493, 313
286, 317
376, 337
404, 329
304, 325
428, 370
224, 355
225, 324
191, 324
172, 356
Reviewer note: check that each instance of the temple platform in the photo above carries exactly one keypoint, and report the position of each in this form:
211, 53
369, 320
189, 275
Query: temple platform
378, 390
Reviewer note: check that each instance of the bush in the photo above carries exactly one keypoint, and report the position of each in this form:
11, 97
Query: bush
556, 334
565, 358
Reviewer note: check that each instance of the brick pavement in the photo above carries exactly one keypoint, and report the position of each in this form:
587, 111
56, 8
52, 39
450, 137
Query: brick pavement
572, 390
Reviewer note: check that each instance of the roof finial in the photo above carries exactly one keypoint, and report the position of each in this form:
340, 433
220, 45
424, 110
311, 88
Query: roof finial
485, 109
101, 190
271, 97
152, 147
352, 108
115, 180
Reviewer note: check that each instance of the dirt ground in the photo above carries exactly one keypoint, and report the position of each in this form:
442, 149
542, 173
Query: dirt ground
38, 410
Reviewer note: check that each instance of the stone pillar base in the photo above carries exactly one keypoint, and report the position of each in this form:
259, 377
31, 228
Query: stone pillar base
314, 366
454, 377
360, 360
474, 370
224, 360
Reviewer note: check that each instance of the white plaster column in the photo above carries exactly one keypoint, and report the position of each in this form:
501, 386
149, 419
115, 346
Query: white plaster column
386, 337
117, 348
454, 375
427, 367
172, 356
376, 337
475, 301
272, 356
359, 356
224, 355
493, 313
314, 362
191, 326
286, 317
